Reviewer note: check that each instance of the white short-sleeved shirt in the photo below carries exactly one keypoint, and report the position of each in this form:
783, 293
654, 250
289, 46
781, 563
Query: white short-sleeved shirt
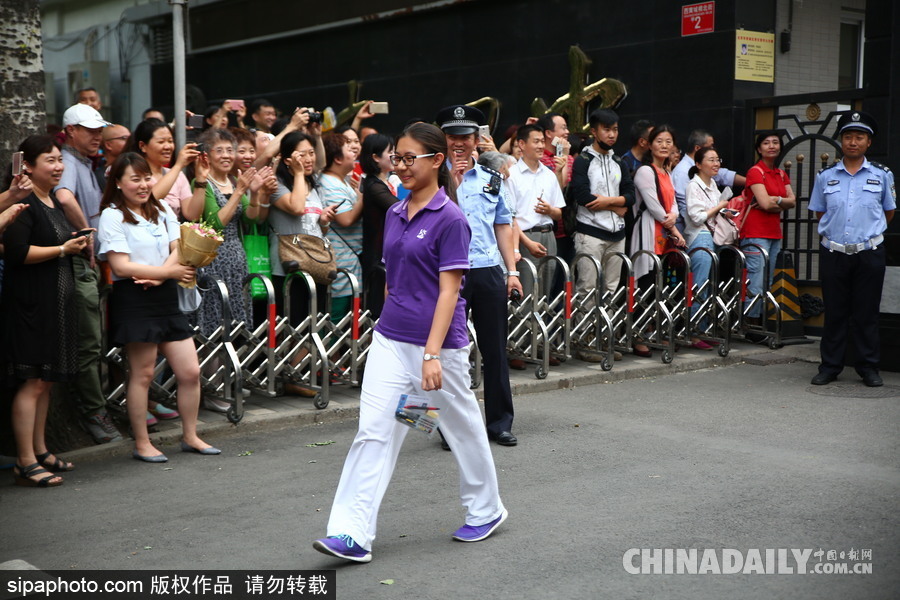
525, 186
146, 243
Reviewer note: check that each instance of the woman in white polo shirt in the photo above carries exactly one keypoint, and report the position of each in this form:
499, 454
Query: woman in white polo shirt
139, 235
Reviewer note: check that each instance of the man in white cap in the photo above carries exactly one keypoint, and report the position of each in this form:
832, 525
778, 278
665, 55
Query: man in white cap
79, 194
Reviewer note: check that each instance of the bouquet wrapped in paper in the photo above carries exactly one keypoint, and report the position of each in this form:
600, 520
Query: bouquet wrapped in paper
198, 246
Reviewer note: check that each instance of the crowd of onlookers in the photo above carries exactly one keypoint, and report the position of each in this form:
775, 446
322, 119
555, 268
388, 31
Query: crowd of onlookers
98, 204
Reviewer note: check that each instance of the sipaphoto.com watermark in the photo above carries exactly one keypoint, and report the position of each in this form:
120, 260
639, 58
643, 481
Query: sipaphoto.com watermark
730, 561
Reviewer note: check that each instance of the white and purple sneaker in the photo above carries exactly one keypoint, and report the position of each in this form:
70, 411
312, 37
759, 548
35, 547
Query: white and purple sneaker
342, 546
473, 533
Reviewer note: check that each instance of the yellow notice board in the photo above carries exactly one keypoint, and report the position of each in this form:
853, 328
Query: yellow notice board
754, 56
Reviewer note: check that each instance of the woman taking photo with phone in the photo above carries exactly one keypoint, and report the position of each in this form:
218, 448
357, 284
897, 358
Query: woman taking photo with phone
419, 346
297, 208
346, 233
378, 196
38, 310
154, 140
139, 235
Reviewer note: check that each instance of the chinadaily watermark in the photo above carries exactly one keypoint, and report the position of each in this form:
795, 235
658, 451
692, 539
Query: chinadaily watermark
730, 561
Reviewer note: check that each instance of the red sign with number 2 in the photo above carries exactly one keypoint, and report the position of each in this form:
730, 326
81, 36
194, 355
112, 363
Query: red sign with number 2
698, 18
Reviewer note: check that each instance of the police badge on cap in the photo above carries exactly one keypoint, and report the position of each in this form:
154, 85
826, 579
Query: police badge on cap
857, 120
459, 119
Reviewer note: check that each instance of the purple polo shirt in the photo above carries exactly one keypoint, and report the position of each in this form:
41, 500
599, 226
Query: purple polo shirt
415, 252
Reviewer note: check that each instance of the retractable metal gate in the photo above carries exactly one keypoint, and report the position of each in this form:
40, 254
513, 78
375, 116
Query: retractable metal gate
317, 352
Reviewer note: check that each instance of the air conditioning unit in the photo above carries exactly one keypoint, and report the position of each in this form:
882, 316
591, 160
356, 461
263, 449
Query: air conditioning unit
93, 74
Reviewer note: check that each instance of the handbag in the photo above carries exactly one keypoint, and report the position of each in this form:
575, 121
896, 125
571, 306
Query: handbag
311, 254
188, 299
256, 247
724, 231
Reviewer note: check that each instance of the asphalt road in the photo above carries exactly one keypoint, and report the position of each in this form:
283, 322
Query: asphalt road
742, 457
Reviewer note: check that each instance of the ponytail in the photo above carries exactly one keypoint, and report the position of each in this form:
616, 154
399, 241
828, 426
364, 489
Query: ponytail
434, 141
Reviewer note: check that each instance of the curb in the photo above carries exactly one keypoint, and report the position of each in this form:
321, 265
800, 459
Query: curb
570, 374
251, 423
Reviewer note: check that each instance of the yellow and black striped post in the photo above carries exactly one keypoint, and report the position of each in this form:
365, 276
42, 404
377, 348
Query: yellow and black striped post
784, 289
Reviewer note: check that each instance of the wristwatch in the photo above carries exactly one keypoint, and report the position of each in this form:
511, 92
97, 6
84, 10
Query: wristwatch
512, 273
431, 357
778, 200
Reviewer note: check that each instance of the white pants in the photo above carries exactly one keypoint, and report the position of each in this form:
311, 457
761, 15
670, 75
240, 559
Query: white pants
394, 368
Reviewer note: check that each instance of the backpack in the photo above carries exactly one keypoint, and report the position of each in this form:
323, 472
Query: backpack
570, 210
745, 202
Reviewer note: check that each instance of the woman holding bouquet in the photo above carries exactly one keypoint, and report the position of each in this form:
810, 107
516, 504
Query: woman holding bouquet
139, 235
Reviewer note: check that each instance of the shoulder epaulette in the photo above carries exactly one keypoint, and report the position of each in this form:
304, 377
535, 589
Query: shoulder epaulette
880, 166
493, 186
823, 169
489, 170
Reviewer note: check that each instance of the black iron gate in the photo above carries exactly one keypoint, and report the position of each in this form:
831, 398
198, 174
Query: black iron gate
809, 122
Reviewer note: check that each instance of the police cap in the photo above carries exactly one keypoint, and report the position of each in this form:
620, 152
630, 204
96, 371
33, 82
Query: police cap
459, 119
857, 120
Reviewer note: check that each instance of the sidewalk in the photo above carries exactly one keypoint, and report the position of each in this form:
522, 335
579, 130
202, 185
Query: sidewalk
269, 414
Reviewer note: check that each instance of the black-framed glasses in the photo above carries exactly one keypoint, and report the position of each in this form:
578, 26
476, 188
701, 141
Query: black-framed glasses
408, 159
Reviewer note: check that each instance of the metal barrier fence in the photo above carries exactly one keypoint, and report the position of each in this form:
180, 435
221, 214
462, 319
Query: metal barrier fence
318, 351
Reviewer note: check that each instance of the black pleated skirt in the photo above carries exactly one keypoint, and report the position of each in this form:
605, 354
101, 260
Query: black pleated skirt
151, 315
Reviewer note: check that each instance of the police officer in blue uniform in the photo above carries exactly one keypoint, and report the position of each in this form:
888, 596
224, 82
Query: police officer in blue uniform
854, 201
492, 277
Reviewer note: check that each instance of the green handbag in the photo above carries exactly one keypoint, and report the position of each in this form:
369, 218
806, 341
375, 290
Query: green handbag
256, 247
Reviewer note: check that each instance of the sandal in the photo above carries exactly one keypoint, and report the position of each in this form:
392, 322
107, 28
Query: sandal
23, 476
54, 465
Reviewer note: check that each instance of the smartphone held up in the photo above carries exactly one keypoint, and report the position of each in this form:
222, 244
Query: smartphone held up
234, 105
18, 166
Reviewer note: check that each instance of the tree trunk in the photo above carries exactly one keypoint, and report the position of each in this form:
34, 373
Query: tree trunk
22, 102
